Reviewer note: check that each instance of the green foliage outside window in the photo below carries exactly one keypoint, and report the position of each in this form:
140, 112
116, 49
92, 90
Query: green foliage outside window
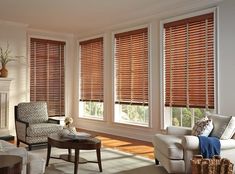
93, 109
183, 116
135, 114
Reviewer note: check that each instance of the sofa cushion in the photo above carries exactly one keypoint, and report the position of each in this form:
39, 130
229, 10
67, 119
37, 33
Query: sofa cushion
202, 127
35, 140
170, 145
43, 129
220, 123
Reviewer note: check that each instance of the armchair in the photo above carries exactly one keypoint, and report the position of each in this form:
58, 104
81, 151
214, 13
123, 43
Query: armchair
32, 123
175, 149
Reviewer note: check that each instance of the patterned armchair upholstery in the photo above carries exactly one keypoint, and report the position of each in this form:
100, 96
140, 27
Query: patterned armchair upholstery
32, 123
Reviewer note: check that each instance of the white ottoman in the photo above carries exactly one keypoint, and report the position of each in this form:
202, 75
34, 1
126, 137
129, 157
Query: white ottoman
36, 164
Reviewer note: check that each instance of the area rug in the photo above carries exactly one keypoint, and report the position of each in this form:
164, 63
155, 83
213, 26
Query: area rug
113, 161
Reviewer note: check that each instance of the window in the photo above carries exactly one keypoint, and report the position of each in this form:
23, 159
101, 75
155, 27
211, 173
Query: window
189, 69
91, 78
131, 77
47, 74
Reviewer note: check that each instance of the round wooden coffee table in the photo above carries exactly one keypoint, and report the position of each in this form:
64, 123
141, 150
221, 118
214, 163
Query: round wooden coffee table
89, 143
10, 164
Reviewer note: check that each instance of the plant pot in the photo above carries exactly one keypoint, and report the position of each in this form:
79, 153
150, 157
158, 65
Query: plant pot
3, 72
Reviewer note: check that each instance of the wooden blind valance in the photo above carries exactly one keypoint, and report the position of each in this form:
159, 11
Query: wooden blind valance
91, 70
189, 62
131, 67
47, 74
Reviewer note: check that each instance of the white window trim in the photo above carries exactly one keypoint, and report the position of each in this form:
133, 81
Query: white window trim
149, 26
79, 78
165, 121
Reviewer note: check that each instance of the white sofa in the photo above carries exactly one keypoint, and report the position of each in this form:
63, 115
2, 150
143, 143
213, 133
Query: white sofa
175, 149
32, 164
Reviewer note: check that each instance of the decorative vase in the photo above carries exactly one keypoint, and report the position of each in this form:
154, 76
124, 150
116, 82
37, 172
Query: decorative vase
3, 71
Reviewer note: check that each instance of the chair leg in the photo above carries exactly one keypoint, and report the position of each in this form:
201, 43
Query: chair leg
156, 162
17, 143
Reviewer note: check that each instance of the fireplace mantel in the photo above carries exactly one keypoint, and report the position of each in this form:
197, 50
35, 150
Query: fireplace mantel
4, 106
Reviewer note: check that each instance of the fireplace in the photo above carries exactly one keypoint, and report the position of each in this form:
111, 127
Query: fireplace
4, 107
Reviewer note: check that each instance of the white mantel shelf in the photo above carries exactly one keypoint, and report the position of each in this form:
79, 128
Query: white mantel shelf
5, 79
5, 84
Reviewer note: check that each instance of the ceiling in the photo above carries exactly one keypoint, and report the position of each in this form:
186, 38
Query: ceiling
80, 16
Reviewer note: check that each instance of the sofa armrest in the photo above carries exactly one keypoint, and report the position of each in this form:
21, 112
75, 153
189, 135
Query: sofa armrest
173, 130
190, 142
55, 121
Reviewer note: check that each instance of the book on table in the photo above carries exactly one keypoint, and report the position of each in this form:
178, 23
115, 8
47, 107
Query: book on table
77, 135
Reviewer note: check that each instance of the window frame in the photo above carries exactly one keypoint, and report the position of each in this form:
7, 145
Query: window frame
166, 120
79, 78
148, 26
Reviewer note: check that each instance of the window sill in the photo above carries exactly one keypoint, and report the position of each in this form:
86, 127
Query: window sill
132, 124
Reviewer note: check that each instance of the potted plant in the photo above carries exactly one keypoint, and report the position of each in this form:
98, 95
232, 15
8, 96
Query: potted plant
5, 57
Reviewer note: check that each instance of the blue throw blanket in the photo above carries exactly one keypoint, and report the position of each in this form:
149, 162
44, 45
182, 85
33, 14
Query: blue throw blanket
209, 146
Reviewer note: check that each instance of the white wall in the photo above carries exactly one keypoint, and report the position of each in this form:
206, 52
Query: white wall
227, 57
15, 35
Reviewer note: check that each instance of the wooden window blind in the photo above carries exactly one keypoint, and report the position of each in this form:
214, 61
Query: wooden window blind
189, 62
47, 74
91, 62
131, 67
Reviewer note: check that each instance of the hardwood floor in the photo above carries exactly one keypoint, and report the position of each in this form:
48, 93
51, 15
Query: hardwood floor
129, 145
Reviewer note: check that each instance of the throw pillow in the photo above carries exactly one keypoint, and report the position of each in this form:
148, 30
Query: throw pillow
202, 127
224, 126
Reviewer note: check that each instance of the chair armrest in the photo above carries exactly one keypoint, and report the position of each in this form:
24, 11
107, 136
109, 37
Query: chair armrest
21, 129
23, 122
173, 130
190, 142
55, 121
